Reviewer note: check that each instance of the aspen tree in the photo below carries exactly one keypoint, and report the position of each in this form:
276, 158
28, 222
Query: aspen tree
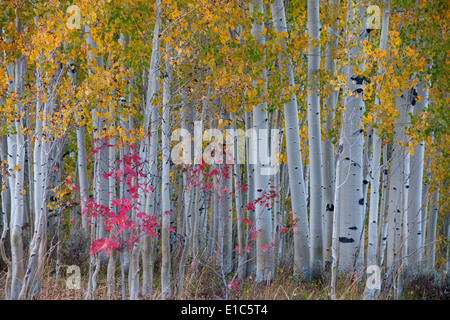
294, 158
328, 146
351, 202
315, 140
263, 215
165, 179
375, 165
415, 202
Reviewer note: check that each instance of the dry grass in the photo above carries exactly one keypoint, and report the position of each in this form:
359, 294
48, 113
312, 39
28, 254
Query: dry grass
204, 284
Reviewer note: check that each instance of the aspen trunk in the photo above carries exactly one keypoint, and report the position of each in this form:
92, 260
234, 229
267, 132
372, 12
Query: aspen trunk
430, 249
263, 215
251, 153
328, 146
165, 193
315, 140
351, 195
395, 188
148, 254
294, 156
415, 202
375, 173
16, 161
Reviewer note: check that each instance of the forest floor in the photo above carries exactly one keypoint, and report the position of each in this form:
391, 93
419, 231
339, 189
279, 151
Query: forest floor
202, 285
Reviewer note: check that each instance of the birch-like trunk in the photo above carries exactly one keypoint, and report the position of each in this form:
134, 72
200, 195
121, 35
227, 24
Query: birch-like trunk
240, 215
328, 157
294, 156
375, 168
6, 215
415, 202
430, 249
251, 153
16, 161
372, 245
263, 214
227, 192
72, 73
383, 223
152, 156
187, 211
351, 198
165, 192
315, 140
100, 184
395, 186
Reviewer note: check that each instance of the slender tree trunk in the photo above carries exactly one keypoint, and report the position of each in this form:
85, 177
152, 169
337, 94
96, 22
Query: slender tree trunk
415, 202
383, 225
240, 215
100, 184
430, 249
263, 215
372, 245
165, 194
375, 166
315, 140
295, 163
328, 145
16, 161
396, 187
81, 153
251, 153
351, 176
335, 232
148, 254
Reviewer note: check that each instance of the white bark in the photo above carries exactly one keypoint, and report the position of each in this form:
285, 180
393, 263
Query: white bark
294, 156
351, 196
328, 146
335, 231
227, 204
263, 214
6, 212
100, 184
396, 187
430, 249
81, 154
383, 223
251, 152
165, 192
375, 166
372, 246
415, 203
315, 140
16, 157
